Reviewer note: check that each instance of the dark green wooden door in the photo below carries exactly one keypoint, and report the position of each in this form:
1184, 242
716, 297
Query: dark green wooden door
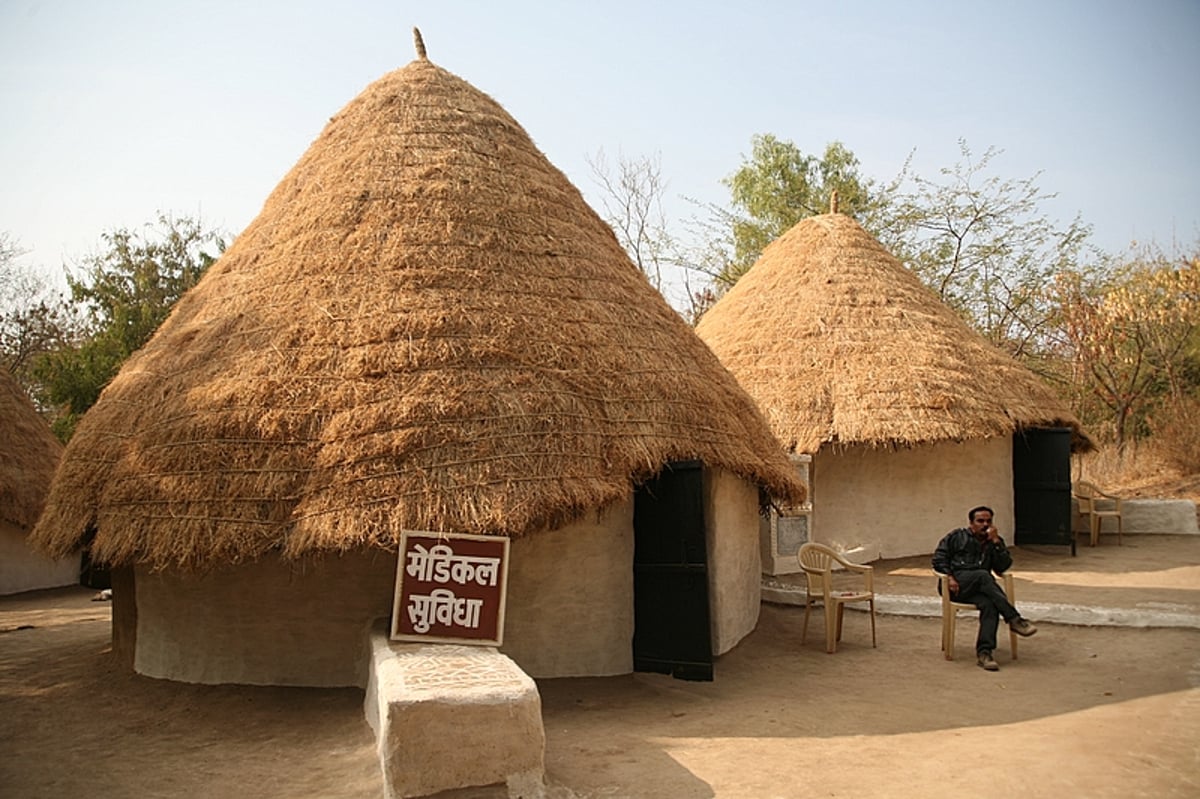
670, 575
1042, 487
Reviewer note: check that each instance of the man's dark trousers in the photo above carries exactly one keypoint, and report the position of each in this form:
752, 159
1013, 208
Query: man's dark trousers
980, 588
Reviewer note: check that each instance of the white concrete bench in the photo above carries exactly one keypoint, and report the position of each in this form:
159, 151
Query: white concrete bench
450, 717
1170, 516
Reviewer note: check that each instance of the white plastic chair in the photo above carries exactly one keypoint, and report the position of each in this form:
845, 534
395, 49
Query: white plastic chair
817, 561
950, 610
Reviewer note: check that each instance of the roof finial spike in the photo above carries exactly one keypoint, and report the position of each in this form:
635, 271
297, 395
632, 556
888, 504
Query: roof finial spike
419, 43
833, 200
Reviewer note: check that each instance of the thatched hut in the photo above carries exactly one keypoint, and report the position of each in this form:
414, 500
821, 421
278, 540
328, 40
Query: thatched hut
426, 328
29, 452
908, 414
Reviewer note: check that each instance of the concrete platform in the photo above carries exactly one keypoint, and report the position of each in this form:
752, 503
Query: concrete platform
1153, 516
1148, 581
449, 718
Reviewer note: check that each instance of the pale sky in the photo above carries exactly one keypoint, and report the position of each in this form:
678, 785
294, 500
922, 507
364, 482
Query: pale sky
119, 109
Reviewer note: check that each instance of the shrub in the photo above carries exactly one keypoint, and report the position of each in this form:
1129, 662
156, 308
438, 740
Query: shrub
1176, 430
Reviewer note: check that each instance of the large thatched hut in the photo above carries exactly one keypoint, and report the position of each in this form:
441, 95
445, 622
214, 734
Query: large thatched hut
28, 454
426, 328
908, 414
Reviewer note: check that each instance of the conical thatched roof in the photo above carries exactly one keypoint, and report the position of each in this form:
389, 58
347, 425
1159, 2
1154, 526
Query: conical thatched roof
28, 454
841, 344
425, 328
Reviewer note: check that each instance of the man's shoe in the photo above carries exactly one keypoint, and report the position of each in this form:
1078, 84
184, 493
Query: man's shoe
1022, 627
985, 661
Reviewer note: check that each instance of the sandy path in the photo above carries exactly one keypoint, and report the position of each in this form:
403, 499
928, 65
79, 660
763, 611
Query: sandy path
1097, 712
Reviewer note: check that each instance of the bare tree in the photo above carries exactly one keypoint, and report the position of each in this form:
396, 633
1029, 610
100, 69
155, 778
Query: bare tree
34, 318
985, 245
631, 200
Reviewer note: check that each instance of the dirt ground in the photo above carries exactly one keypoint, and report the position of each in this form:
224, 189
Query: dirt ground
1084, 712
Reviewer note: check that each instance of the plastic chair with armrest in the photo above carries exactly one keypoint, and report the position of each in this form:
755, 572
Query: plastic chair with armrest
1088, 494
950, 610
818, 561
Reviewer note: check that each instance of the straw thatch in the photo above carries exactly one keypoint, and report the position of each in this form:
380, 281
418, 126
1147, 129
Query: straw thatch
29, 452
425, 328
841, 344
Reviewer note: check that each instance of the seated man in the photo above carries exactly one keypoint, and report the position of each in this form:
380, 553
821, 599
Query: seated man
969, 555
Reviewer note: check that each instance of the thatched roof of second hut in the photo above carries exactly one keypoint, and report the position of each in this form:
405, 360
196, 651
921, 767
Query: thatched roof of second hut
840, 343
425, 328
28, 454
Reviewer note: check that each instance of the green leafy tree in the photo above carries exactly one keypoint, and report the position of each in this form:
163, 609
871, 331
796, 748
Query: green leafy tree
779, 185
123, 293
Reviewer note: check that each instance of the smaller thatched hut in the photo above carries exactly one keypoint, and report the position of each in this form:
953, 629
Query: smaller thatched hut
908, 414
29, 452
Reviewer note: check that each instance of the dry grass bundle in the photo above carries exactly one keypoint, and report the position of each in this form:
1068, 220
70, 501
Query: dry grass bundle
29, 452
425, 328
841, 344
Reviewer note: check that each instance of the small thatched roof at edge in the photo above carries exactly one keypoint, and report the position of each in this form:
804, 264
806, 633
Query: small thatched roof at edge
425, 328
29, 452
840, 343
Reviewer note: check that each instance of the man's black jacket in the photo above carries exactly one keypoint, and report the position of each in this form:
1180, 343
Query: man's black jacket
960, 551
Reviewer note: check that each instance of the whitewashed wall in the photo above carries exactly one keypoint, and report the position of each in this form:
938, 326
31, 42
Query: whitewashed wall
892, 503
265, 623
22, 569
570, 598
734, 561
569, 611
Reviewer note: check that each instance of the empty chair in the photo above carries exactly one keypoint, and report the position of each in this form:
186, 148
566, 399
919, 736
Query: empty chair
1088, 494
855, 583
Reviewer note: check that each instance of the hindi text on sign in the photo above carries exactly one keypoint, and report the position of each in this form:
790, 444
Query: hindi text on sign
439, 564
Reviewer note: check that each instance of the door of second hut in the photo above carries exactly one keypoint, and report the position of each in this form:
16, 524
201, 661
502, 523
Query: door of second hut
1042, 487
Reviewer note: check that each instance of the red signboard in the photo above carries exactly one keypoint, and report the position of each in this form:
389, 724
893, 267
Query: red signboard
450, 588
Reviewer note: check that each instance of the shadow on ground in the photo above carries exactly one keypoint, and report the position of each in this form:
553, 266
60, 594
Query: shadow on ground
1085, 711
